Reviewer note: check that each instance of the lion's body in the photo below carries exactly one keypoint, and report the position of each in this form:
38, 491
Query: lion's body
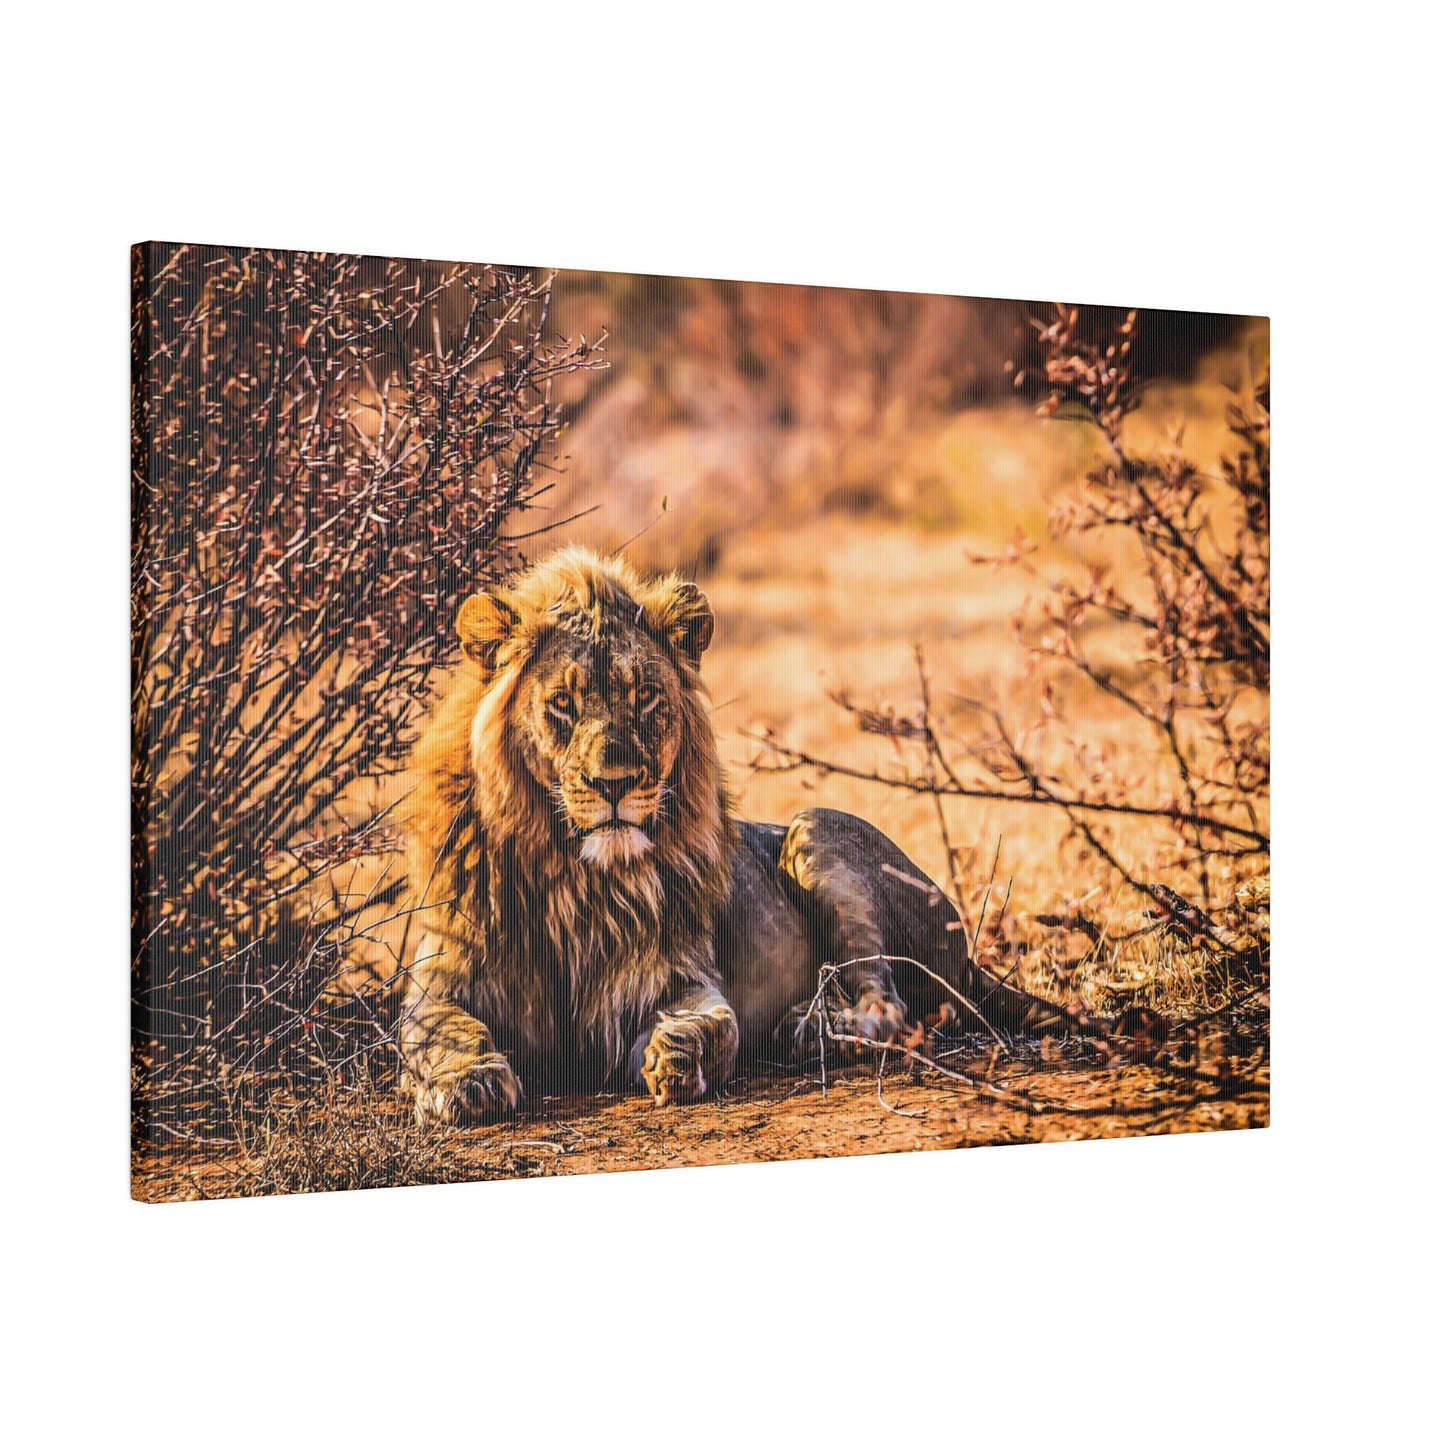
590, 904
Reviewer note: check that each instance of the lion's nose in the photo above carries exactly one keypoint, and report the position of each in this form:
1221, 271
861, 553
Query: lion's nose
614, 789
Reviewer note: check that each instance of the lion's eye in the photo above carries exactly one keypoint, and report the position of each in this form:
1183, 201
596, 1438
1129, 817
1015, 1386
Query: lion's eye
561, 703
648, 697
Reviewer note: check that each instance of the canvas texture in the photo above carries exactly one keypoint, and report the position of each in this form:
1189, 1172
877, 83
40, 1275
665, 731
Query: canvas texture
587, 721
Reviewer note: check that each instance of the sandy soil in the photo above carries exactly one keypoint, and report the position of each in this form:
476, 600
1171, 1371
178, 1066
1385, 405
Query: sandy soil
769, 1119
1032, 1093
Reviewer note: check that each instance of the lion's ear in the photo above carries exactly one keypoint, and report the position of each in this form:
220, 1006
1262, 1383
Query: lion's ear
485, 623
684, 617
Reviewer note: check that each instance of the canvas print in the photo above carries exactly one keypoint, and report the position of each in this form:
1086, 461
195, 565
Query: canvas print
587, 721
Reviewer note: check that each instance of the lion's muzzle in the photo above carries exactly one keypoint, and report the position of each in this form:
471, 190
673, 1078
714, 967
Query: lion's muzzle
613, 812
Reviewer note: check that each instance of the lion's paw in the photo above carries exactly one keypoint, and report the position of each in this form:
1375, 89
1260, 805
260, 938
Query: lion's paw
874, 1017
688, 1054
485, 1089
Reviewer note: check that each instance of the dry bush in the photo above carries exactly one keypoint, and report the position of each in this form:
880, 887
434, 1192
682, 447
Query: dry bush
327, 451
1146, 725
340, 1131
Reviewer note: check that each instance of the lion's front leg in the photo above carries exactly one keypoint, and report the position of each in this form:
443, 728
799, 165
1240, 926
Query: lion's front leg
691, 1050
454, 1070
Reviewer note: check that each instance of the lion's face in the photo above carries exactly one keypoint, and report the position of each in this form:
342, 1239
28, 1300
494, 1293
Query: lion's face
591, 682
599, 723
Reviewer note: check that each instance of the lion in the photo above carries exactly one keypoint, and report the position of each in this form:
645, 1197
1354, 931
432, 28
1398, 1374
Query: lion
594, 911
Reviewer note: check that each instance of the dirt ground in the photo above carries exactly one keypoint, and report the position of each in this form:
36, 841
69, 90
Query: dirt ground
1032, 1092
763, 1118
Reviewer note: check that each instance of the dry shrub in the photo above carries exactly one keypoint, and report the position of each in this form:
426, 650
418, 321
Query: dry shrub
327, 451
1146, 725
339, 1132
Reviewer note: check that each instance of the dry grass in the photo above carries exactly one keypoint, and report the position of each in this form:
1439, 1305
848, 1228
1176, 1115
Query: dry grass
337, 1134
